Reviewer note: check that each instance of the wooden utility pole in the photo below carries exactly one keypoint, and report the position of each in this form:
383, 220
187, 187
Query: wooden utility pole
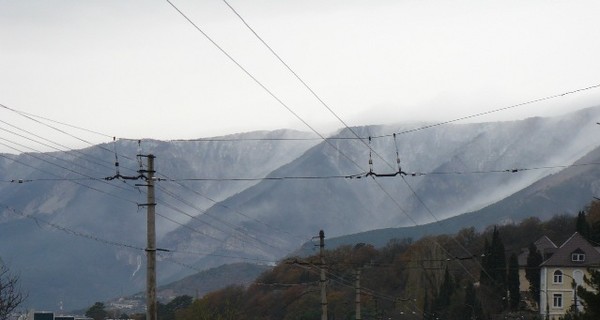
151, 305
323, 280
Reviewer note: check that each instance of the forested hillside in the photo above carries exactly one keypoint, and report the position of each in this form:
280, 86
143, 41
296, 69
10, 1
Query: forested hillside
448, 277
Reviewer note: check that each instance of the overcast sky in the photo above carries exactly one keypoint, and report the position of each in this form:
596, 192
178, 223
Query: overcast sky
138, 69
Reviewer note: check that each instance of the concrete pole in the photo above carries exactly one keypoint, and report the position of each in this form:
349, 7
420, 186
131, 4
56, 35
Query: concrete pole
151, 312
323, 280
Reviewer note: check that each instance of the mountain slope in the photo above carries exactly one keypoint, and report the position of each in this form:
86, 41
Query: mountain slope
465, 166
220, 219
57, 266
565, 192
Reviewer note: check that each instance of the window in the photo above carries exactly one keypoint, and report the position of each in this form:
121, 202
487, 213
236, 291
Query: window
577, 257
557, 300
558, 276
578, 277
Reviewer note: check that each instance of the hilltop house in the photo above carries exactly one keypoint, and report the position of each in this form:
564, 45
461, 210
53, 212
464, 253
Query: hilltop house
562, 273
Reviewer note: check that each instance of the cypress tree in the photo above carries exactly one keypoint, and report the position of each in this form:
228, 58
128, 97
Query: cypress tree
498, 261
532, 272
582, 226
513, 282
493, 272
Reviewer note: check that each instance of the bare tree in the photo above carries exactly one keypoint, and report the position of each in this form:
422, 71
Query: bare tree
10, 293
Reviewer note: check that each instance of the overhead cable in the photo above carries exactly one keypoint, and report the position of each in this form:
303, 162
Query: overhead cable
596, 86
71, 231
259, 83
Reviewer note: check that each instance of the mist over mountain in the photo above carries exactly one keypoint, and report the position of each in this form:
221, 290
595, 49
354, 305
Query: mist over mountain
458, 168
213, 211
56, 266
565, 192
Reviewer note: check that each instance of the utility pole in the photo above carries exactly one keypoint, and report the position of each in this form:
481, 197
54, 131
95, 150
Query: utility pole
151, 305
323, 281
357, 301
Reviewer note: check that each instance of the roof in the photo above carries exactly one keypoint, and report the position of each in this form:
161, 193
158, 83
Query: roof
544, 245
575, 244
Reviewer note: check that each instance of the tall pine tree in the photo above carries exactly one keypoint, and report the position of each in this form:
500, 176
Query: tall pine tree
582, 226
494, 263
498, 261
532, 271
493, 272
513, 282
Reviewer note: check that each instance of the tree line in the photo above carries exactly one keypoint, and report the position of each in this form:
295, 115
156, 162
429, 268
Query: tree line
469, 275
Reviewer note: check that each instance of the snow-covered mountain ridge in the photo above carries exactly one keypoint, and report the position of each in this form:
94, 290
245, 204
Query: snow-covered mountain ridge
458, 168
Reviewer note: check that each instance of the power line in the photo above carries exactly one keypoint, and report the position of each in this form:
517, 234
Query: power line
71, 180
109, 178
68, 150
258, 82
235, 228
359, 137
104, 241
438, 222
429, 126
219, 255
55, 164
39, 151
349, 176
249, 139
237, 211
31, 116
287, 66
341, 280
596, 86
493, 171
71, 231
314, 94
194, 230
45, 179
267, 178
511, 171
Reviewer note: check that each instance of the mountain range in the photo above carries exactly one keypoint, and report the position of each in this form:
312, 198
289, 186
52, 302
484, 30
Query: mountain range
76, 237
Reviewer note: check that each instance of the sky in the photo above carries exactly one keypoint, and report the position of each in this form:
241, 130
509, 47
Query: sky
139, 69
